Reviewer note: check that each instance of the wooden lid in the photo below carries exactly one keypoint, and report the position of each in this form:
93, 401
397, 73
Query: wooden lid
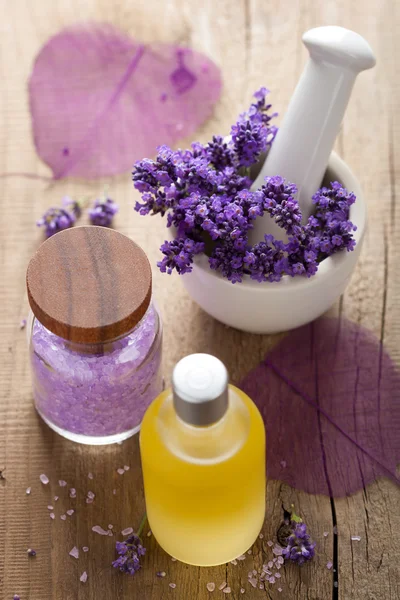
89, 284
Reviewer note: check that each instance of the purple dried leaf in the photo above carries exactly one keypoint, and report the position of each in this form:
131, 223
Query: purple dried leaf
95, 142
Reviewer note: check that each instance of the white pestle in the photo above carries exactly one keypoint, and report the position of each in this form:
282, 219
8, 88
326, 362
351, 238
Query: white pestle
303, 144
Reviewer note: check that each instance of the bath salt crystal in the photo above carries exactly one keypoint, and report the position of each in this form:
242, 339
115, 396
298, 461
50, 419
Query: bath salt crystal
62, 483
254, 572
50, 507
210, 586
242, 590
74, 552
283, 464
120, 471
149, 533
55, 498
83, 577
261, 536
114, 491
270, 564
91, 495
253, 582
271, 579
261, 586
110, 526
277, 550
90, 475
222, 585
173, 559
335, 584
335, 530
70, 512
126, 467
234, 562
250, 574
161, 573
52, 515
329, 564
85, 548
355, 538
249, 552
241, 557
279, 589
44, 479
280, 560
326, 533
63, 517
226, 590
28, 491
277, 575
99, 530
270, 543
127, 531
72, 493
172, 585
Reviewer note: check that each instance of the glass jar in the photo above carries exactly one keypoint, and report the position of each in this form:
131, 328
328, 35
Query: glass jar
93, 373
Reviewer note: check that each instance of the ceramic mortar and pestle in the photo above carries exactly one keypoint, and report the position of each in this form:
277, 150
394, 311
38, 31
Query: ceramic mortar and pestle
301, 153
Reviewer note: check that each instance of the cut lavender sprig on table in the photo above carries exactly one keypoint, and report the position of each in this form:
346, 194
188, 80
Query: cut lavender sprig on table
55, 220
103, 212
296, 543
130, 551
208, 201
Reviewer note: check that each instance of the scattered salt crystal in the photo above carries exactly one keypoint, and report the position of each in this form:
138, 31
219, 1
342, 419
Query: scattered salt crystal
271, 579
90, 475
28, 490
173, 559
120, 471
74, 552
250, 574
254, 572
50, 507
70, 512
278, 565
253, 582
149, 533
91, 495
329, 564
44, 479
62, 483
85, 548
355, 538
72, 493
234, 562
110, 533
280, 560
210, 586
261, 536
172, 585
99, 530
277, 550
270, 564
279, 589
335, 584
335, 531
126, 467
249, 551
52, 516
223, 585
127, 531
83, 577
270, 543
226, 590
242, 590
241, 557
89, 500
63, 517
161, 573
261, 586
278, 575
110, 526
326, 533
283, 464
55, 498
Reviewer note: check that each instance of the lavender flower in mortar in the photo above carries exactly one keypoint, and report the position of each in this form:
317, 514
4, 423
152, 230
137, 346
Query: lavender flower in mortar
55, 220
130, 551
103, 212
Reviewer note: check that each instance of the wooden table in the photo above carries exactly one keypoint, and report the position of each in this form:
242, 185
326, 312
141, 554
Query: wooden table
255, 42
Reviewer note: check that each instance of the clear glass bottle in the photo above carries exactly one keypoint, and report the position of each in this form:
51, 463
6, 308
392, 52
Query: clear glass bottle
94, 374
203, 458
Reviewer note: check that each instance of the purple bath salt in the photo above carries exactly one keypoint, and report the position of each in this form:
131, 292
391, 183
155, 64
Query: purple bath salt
95, 346
99, 394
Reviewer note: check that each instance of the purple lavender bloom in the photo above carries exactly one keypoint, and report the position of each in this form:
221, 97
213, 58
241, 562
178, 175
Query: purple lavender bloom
72, 206
299, 546
55, 220
129, 553
103, 212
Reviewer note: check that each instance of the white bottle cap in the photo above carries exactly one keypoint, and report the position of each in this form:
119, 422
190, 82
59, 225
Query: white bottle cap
200, 389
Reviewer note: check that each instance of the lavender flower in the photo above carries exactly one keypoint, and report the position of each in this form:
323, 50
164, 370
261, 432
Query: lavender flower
55, 220
31, 552
297, 544
103, 212
129, 553
207, 199
73, 206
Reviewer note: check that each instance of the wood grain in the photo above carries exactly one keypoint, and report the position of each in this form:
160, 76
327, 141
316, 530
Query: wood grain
256, 42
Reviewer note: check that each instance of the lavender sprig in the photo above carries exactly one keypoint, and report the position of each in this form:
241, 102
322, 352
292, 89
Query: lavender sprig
293, 536
55, 220
103, 212
130, 551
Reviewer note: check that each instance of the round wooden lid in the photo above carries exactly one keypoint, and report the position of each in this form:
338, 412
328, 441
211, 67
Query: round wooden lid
89, 284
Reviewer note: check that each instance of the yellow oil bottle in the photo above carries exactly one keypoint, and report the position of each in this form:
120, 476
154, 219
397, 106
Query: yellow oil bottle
202, 447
